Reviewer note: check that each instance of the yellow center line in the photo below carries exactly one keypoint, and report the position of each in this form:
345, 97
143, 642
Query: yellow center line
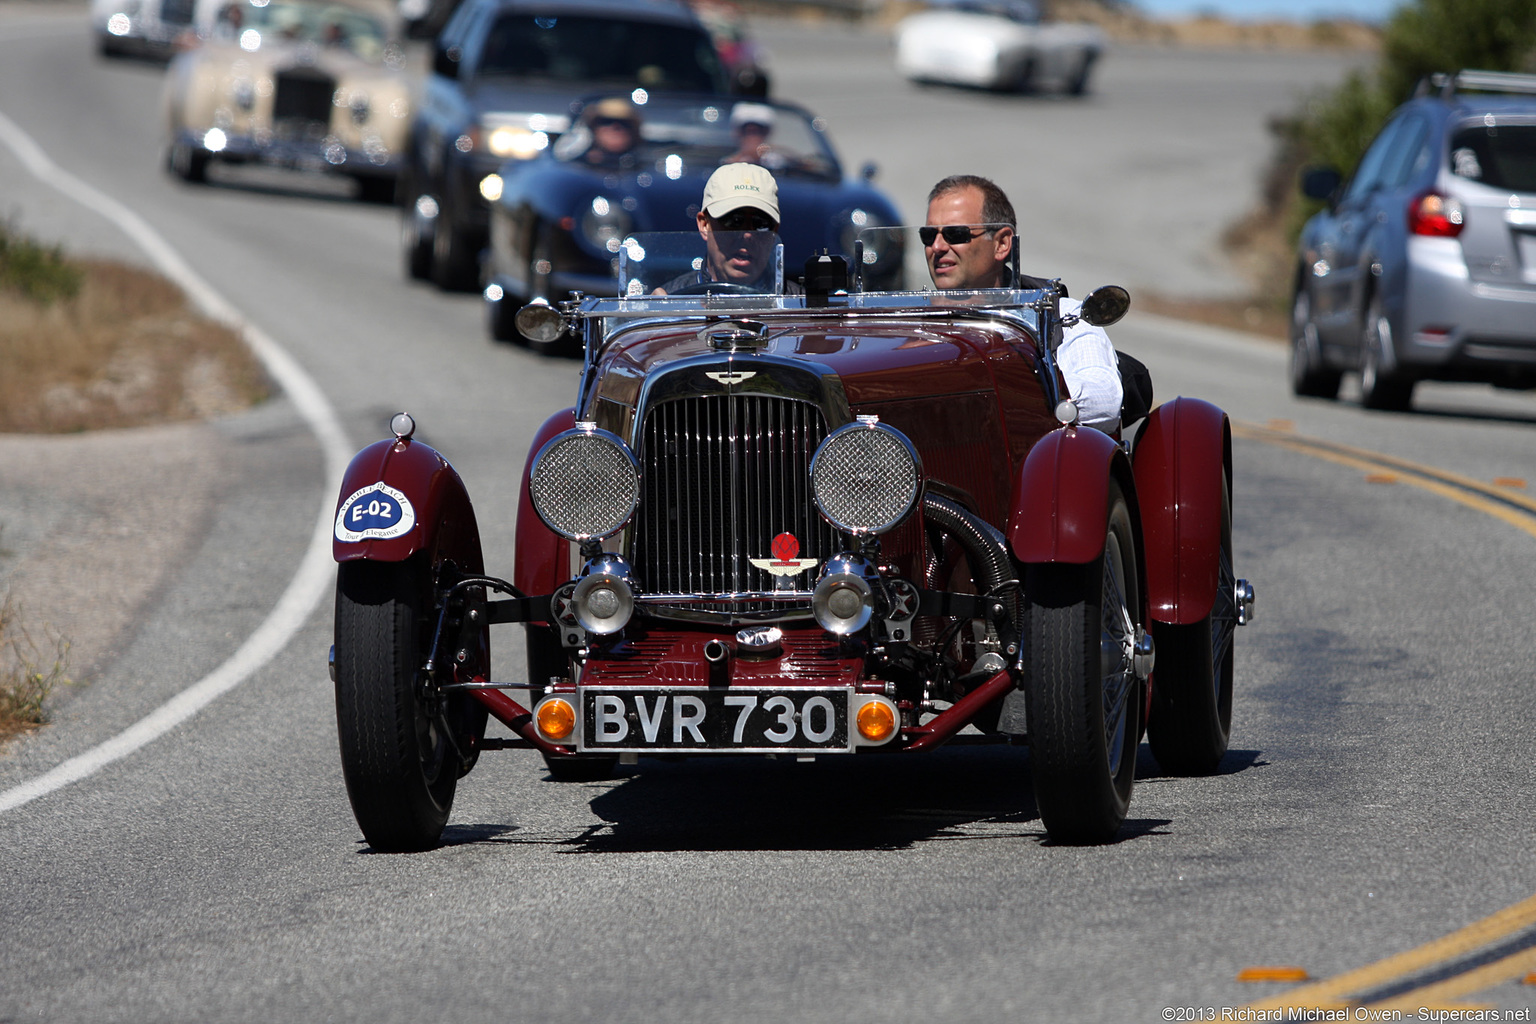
1436, 481
1475, 980
1334, 993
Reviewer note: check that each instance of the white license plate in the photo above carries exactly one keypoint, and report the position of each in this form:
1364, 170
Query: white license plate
747, 721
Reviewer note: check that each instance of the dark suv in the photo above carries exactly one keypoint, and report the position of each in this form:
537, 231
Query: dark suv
505, 78
1423, 266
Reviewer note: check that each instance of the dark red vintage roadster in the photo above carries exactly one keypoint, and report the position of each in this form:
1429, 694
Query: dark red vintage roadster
844, 523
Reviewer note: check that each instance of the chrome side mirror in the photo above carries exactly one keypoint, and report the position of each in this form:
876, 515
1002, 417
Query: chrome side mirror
1105, 305
540, 322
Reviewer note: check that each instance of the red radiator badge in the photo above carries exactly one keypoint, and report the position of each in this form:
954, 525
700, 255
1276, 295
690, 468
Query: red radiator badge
784, 563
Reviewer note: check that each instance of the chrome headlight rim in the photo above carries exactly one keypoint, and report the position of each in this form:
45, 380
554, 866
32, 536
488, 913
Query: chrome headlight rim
857, 435
545, 490
604, 224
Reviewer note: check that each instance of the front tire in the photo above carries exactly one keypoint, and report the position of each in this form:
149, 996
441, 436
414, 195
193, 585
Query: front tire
1078, 86
455, 262
399, 763
1080, 682
416, 233
1191, 719
189, 163
1381, 386
1310, 376
500, 320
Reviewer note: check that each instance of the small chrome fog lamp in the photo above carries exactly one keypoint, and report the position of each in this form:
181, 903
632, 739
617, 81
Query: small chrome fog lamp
866, 477
843, 601
604, 599
585, 483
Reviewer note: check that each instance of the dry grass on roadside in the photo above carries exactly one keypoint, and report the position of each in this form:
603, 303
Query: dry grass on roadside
26, 675
124, 350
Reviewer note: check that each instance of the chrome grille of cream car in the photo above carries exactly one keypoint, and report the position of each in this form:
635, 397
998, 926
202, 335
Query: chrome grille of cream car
301, 104
723, 476
176, 12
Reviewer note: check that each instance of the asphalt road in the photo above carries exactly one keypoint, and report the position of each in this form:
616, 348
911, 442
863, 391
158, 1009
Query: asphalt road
1378, 794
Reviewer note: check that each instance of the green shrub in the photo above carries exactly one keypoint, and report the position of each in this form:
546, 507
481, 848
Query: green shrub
37, 272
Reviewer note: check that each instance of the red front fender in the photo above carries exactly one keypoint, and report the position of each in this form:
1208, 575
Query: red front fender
543, 556
1182, 456
399, 497
1061, 499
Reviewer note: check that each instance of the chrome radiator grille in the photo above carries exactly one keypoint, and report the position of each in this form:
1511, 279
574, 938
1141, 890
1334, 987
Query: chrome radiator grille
176, 12
301, 104
724, 475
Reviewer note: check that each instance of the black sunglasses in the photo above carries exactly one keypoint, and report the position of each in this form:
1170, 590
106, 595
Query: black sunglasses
611, 122
744, 220
954, 234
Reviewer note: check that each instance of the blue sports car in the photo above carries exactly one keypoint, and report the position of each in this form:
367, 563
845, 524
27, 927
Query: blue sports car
560, 221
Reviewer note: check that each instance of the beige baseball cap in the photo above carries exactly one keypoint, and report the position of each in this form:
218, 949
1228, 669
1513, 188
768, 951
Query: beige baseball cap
734, 186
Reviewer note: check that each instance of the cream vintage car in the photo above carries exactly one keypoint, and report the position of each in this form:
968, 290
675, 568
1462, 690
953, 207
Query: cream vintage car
293, 83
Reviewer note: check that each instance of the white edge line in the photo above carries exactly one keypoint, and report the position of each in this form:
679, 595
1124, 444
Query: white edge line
313, 578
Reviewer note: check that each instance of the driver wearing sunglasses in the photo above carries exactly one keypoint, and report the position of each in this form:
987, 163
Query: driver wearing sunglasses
739, 222
967, 241
613, 124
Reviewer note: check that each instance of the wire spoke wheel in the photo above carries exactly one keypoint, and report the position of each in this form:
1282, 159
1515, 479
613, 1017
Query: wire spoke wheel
1117, 643
1080, 684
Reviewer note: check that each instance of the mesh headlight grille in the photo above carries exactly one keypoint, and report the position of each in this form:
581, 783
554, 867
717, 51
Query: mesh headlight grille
585, 484
865, 478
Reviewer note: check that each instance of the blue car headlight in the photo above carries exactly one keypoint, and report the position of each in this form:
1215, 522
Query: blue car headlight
604, 224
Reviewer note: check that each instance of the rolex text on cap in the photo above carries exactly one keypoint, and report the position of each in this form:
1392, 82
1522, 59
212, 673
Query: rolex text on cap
735, 186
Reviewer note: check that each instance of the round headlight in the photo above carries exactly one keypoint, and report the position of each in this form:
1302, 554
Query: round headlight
865, 477
585, 483
605, 223
515, 142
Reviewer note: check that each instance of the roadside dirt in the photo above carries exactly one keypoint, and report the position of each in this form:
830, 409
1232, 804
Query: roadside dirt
92, 524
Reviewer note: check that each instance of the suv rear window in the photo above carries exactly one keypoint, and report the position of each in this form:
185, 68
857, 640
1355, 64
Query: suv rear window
1500, 157
602, 50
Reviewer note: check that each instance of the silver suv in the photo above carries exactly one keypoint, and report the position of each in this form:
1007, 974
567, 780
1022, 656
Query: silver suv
1423, 266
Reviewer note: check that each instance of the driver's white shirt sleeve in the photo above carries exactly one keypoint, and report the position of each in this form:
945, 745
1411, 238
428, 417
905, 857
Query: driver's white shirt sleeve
1088, 364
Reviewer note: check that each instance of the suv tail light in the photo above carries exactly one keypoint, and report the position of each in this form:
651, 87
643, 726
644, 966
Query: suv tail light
1434, 214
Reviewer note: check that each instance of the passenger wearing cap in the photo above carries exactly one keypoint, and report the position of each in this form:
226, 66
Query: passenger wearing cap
751, 123
614, 125
739, 222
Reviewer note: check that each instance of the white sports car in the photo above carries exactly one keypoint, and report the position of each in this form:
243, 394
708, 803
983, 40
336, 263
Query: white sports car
996, 44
